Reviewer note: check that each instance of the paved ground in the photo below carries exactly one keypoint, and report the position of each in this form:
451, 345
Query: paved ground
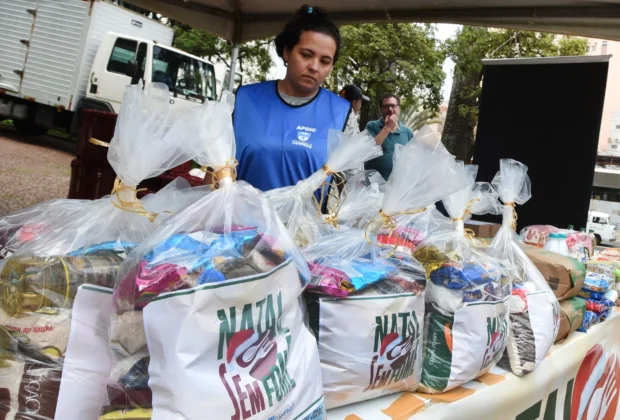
32, 170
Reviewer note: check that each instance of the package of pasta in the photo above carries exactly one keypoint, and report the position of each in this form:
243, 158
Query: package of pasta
534, 309
73, 265
466, 325
298, 206
365, 300
216, 289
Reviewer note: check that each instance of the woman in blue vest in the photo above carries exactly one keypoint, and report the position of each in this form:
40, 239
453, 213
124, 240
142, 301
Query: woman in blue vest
281, 126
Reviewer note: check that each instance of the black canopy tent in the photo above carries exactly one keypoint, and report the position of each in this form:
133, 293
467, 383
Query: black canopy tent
245, 20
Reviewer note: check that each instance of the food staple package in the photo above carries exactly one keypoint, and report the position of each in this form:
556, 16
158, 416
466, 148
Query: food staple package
565, 275
57, 288
580, 244
534, 309
366, 302
295, 204
216, 290
572, 314
23, 226
466, 327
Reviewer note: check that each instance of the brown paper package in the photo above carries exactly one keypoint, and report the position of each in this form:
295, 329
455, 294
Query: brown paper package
564, 275
572, 312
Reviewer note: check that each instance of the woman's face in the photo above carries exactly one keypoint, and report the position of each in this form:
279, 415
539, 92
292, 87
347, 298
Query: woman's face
310, 61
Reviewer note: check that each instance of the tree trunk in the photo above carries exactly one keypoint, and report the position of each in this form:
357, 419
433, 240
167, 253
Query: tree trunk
458, 131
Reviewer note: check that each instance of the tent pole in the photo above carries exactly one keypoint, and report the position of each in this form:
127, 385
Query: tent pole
233, 66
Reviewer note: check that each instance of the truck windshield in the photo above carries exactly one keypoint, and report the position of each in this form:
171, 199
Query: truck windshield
185, 76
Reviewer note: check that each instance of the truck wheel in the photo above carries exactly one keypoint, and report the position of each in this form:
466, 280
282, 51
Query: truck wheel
597, 239
29, 128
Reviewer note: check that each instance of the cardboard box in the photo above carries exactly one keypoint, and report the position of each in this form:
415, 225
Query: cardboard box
572, 312
483, 229
564, 275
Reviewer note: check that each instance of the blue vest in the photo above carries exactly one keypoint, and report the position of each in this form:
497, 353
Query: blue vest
279, 144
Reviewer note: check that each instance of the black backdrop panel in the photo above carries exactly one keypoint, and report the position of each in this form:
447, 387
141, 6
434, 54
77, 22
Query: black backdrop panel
548, 117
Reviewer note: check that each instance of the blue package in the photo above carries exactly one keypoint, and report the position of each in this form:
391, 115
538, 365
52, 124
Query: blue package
211, 276
117, 246
475, 274
588, 294
363, 273
588, 320
450, 277
229, 245
174, 248
597, 282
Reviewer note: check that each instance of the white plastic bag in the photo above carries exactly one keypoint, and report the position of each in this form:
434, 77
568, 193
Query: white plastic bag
534, 309
295, 205
366, 304
216, 290
466, 323
361, 199
43, 279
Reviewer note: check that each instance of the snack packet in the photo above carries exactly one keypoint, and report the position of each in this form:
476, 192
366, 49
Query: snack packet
534, 309
226, 271
466, 324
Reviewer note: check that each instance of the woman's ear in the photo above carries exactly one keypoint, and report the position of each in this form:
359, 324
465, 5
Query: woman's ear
285, 55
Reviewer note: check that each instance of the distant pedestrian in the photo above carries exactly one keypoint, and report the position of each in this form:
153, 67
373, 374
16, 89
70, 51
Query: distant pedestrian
388, 132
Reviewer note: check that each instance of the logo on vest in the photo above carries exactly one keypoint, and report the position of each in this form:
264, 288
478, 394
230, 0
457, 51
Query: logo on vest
303, 135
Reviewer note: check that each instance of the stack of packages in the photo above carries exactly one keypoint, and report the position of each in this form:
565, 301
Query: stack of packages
565, 276
580, 244
366, 303
607, 262
57, 288
295, 204
466, 325
599, 295
534, 309
216, 290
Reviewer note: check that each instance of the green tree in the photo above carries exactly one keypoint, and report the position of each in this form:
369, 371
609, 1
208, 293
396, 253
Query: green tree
467, 49
254, 58
399, 58
416, 117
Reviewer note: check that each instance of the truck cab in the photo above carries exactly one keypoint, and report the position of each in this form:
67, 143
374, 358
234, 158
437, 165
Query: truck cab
598, 223
122, 60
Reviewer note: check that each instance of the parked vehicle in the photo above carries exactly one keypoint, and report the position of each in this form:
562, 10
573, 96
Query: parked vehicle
598, 223
58, 57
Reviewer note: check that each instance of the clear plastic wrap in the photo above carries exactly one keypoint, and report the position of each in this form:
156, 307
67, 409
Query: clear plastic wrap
74, 265
366, 305
362, 198
23, 226
295, 205
216, 290
466, 322
534, 309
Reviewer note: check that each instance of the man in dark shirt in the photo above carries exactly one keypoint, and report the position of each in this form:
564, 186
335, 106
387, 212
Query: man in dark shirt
388, 132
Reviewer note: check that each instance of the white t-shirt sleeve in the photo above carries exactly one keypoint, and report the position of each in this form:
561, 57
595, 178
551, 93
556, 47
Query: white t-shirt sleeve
352, 126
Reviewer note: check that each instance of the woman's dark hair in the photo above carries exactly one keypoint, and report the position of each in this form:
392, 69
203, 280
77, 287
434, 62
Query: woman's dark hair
307, 18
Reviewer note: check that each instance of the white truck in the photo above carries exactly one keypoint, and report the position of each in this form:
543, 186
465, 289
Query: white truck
58, 57
598, 223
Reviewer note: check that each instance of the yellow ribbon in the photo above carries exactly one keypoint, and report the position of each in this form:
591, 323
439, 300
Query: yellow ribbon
229, 170
331, 217
514, 214
389, 222
469, 233
98, 142
134, 206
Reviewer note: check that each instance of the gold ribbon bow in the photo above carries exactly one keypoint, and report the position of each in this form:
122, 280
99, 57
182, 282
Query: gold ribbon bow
134, 206
389, 222
514, 214
229, 170
469, 233
331, 217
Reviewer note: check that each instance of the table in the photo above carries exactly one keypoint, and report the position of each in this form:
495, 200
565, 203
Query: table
578, 377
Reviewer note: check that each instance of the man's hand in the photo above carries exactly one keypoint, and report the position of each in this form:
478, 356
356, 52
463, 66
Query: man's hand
391, 123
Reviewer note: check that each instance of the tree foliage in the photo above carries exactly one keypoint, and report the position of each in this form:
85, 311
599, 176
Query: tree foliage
254, 58
467, 49
399, 58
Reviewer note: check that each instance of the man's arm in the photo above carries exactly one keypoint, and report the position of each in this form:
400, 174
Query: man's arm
382, 135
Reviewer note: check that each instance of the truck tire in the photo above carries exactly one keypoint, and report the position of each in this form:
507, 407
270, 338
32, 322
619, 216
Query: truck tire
597, 239
29, 128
